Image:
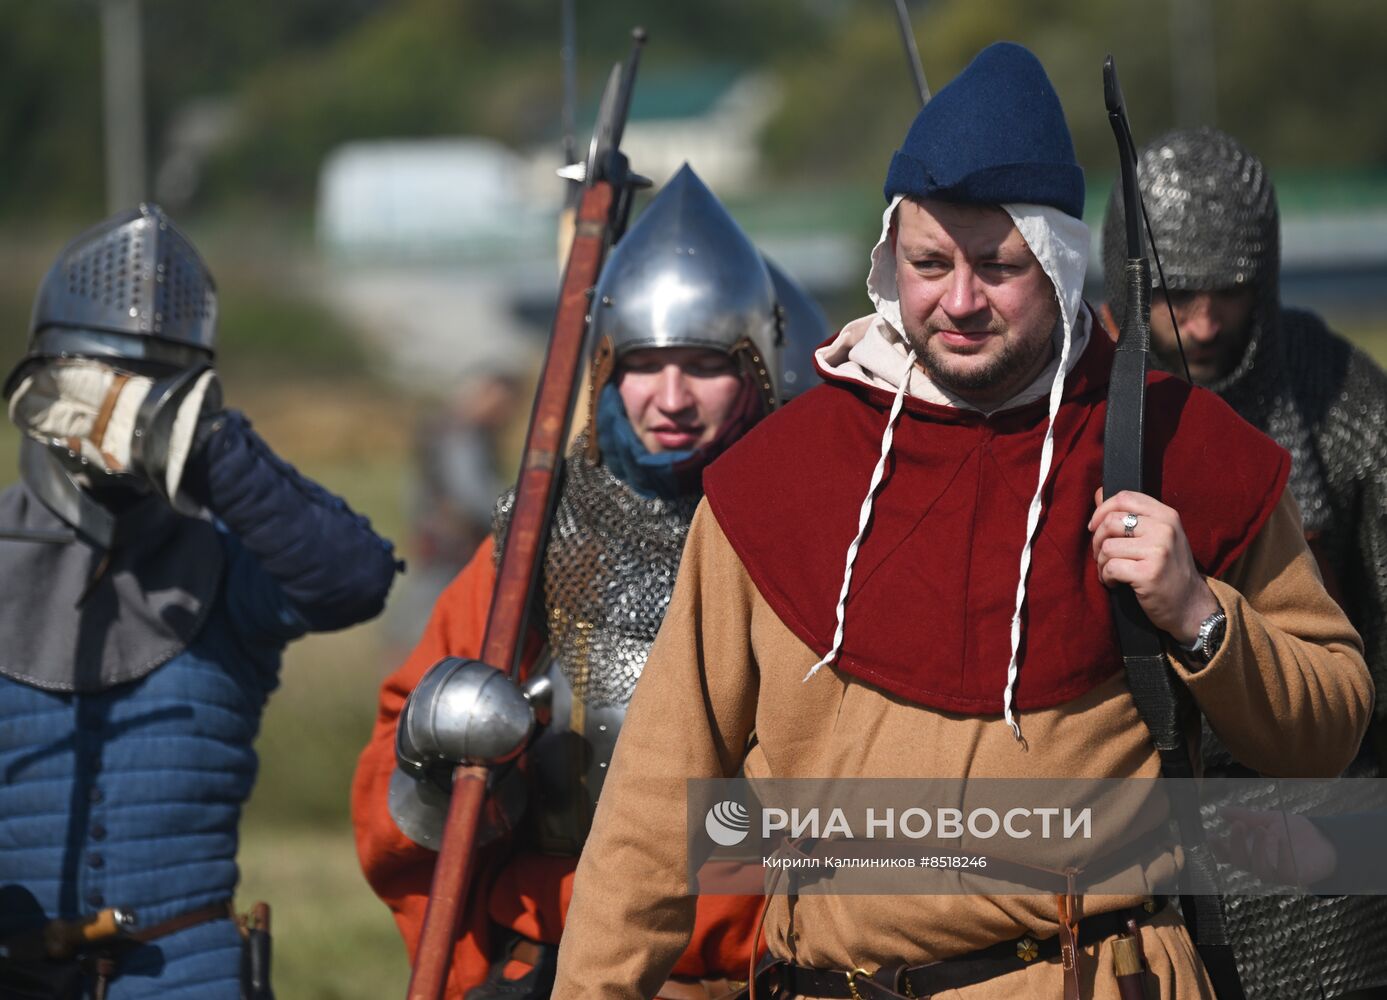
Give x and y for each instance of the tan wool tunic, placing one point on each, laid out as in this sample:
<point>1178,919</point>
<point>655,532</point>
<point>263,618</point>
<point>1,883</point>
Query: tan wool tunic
<point>1288,693</point>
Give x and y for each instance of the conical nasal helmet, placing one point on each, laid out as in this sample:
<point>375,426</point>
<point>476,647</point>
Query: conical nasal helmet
<point>685,275</point>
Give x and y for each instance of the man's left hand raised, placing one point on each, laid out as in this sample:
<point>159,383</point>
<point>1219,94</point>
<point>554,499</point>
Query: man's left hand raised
<point>1153,556</point>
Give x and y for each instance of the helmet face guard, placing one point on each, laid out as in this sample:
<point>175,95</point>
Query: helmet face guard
<point>132,293</point>
<point>685,275</point>
<point>145,355</point>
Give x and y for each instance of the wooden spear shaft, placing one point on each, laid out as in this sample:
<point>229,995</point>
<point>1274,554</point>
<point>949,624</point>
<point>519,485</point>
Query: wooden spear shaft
<point>520,561</point>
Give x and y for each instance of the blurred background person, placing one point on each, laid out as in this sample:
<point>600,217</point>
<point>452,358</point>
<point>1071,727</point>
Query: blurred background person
<point>464,448</point>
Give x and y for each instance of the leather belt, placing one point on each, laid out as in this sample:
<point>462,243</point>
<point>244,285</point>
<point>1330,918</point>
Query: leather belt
<point>64,939</point>
<point>785,979</point>
<point>95,943</point>
<point>203,914</point>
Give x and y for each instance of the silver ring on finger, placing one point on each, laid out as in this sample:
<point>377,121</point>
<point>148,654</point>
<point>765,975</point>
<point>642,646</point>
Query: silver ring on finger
<point>1129,525</point>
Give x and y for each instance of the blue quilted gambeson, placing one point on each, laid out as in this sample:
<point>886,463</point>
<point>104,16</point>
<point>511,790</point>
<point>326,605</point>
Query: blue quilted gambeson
<point>131,796</point>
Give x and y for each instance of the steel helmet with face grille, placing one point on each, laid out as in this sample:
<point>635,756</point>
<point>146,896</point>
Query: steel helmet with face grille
<point>132,287</point>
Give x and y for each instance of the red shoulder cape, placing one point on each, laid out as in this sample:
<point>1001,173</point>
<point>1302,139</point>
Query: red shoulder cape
<point>934,586</point>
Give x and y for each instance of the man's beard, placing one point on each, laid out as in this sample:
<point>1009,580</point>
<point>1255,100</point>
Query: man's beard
<point>1213,368</point>
<point>1017,358</point>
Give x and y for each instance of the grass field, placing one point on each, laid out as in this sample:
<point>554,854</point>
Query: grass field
<point>333,939</point>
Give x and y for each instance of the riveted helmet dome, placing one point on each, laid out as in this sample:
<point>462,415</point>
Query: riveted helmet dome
<point>685,275</point>
<point>131,287</point>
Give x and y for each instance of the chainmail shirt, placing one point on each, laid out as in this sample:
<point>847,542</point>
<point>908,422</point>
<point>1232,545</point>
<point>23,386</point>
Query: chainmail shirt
<point>609,571</point>
<point>1325,402</point>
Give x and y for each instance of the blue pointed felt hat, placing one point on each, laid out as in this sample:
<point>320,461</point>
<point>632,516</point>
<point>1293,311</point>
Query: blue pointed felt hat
<point>995,134</point>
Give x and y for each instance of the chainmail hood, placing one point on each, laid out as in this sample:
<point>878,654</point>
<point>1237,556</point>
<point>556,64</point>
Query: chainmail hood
<point>1216,224</point>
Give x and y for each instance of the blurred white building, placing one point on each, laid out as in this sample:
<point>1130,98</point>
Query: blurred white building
<point>444,249</point>
<point>430,199</point>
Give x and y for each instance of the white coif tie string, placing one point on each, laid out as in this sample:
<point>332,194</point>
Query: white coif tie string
<point>865,514</point>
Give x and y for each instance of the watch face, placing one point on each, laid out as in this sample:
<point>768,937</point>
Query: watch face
<point>1212,636</point>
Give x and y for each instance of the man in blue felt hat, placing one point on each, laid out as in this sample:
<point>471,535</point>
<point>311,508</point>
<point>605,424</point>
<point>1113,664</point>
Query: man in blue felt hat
<point>927,525</point>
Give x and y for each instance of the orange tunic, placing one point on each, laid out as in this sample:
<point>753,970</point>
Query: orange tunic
<point>526,892</point>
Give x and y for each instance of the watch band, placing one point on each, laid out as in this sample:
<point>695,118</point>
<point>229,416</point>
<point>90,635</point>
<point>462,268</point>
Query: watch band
<point>1210,637</point>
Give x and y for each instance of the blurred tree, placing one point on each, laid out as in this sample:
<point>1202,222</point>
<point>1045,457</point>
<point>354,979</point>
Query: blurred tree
<point>1302,83</point>
<point>485,67</point>
<point>50,82</point>
<point>857,83</point>
<point>50,108</point>
<point>305,76</point>
<point>1297,82</point>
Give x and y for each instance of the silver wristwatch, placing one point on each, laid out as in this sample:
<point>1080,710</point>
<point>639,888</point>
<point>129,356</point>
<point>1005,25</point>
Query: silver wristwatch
<point>1210,637</point>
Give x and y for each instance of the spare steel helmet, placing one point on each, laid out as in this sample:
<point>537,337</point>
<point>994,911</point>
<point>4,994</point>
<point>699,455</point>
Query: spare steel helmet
<point>805,327</point>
